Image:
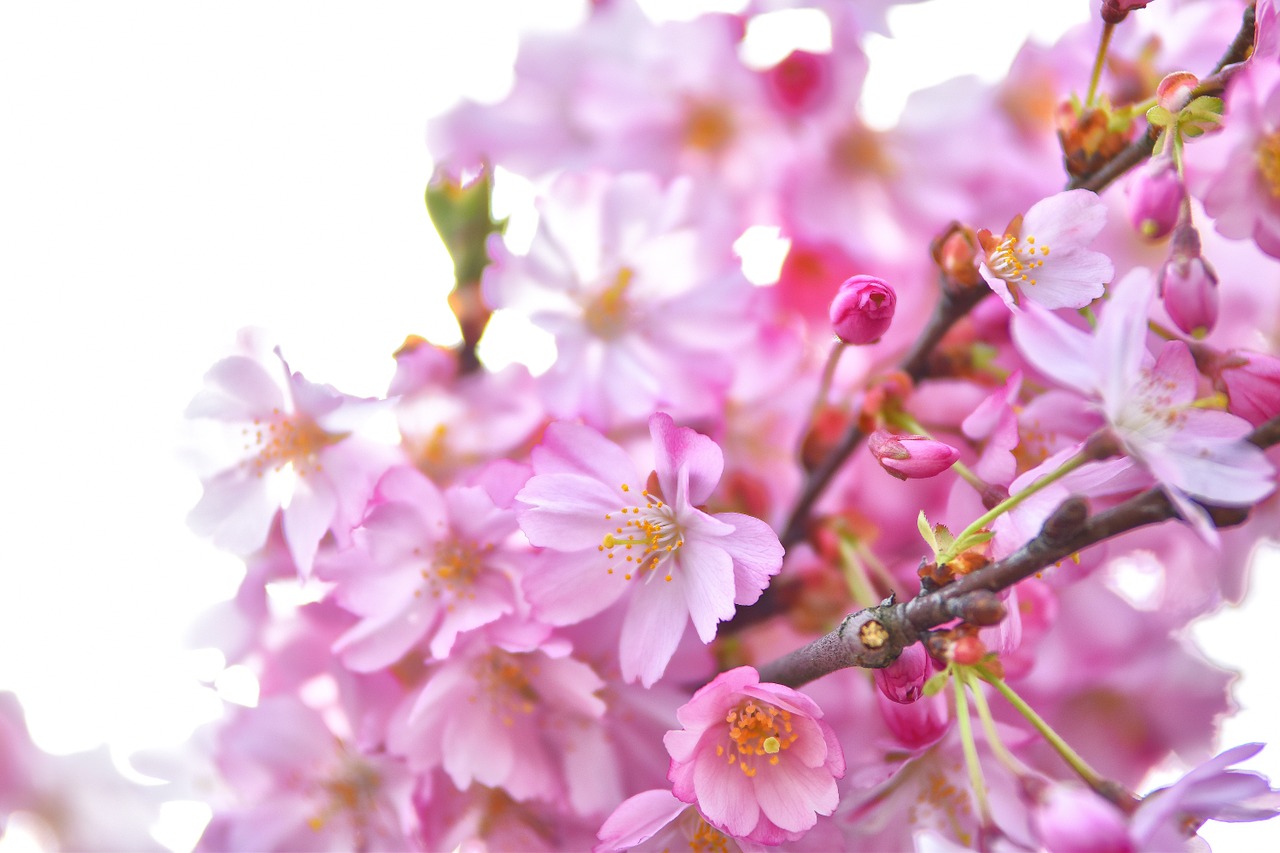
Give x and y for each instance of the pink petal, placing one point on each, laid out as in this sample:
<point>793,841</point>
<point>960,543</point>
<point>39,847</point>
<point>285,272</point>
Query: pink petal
<point>756,552</point>
<point>792,795</point>
<point>639,819</point>
<point>237,389</point>
<point>307,518</point>
<point>725,795</point>
<point>236,509</point>
<point>569,448</point>
<point>680,447</point>
<point>652,629</point>
<point>565,588</point>
<point>707,571</point>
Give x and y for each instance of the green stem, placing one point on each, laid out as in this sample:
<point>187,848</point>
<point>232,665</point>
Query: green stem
<point>1096,76</point>
<point>998,748</point>
<point>1091,777</point>
<point>970,751</point>
<point>828,375</point>
<point>854,574</point>
<point>1014,500</point>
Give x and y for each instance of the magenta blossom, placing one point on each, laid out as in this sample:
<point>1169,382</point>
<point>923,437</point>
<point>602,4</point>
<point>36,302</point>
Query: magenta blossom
<point>862,309</point>
<point>605,533</point>
<point>1042,256</point>
<point>755,757</point>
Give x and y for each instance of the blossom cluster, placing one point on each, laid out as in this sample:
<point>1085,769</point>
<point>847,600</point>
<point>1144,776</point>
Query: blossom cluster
<point>544,616</point>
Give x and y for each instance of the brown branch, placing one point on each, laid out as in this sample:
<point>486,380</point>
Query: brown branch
<point>1068,530</point>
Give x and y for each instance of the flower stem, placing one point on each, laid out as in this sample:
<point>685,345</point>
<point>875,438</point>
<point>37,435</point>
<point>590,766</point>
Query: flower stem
<point>998,748</point>
<point>1096,76</point>
<point>1014,500</point>
<point>855,574</point>
<point>828,375</point>
<point>1091,777</point>
<point>970,751</point>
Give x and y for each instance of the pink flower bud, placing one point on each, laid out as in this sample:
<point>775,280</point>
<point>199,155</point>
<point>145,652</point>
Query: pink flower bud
<point>1189,285</point>
<point>1155,194</point>
<point>918,724</point>
<point>911,456</point>
<point>1114,11</point>
<point>903,680</point>
<point>1252,383</point>
<point>1079,821</point>
<point>800,83</point>
<point>1176,90</point>
<point>862,309</point>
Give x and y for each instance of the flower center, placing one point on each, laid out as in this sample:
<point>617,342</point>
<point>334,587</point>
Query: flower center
<point>859,151</point>
<point>351,792</point>
<point>501,679</point>
<point>454,569</point>
<point>1014,259</point>
<point>756,729</point>
<point>1268,154</point>
<point>702,836</point>
<point>607,313</point>
<point>707,127</point>
<point>644,536</point>
<point>287,440</point>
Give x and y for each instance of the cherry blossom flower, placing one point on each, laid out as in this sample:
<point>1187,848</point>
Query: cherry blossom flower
<point>1237,171</point>
<point>509,707</point>
<point>604,533</point>
<point>755,757</point>
<point>425,566</point>
<point>288,430</point>
<point>1149,403</point>
<point>1042,255</point>
<point>644,309</point>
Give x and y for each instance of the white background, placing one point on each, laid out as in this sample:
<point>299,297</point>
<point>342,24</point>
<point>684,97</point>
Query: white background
<point>171,172</point>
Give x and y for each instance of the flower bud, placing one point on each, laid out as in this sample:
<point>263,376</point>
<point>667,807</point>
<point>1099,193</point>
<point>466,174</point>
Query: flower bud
<point>1252,383</point>
<point>1114,11</point>
<point>1155,194</point>
<point>956,251</point>
<point>1176,90</point>
<point>862,309</point>
<point>1070,818</point>
<point>903,680</point>
<point>916,725</point>
<point>911,456</point>
<point>1189,285</point>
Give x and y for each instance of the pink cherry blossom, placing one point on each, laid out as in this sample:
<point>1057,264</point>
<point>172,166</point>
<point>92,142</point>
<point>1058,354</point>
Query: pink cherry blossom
<point>605,533</point>
<point>1042,256</point>
<point>655,820</point>
<point>645,309</point>
<point>286,428</point>
<point>1148,402</point>
<point>425,567</point>
<point>1237,171</point>
<point>756,758</point>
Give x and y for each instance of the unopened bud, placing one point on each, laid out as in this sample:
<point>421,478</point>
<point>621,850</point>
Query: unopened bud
<point>1176,90</point>
<point>918,724</point>
<point>956,252</point>
<point>863,309</point>
<point>903,680</point>
<point>800,83</point>
<point>1252,383</point>
<point>1114,11</point>
<point>1189,285</point>
<point>911,456</point>
<point>968,651</point>
<point>1155,194</point>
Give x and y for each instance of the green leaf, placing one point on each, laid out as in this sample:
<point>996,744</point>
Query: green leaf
<point>926,532</point>
<point>1159,116</point>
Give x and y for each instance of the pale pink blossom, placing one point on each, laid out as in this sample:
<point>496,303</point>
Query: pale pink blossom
<point>1042,256</point>
<point>1148,402</point>
<point>1236,171</point>
<point>756,758</point>
<point>645,310</point>
<point>425,566</point>
<point>286,431</point>
<point>510,708</point>
<point>605,533</point>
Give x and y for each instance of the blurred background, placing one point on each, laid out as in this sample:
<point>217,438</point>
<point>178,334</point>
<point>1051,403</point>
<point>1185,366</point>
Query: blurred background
<point>170,173</point>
